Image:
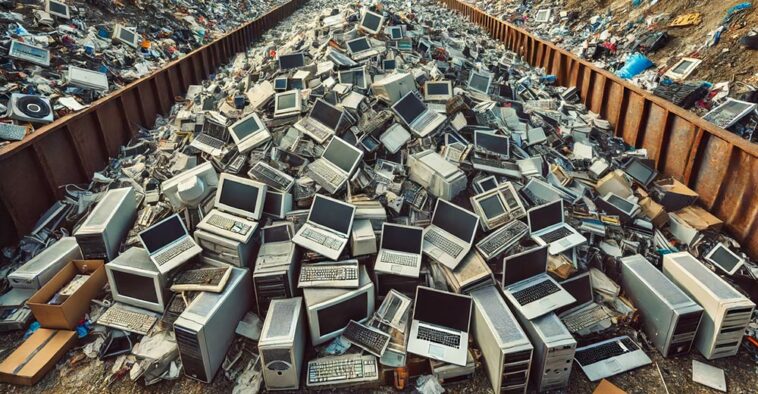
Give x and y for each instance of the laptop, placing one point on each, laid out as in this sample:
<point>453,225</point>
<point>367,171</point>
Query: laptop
<point>585,312</point>
<point>449,237</point>
<point>214,136</point>
<point>528,287</point>
<point>287,103</point>
<point>327,229</point>
<point>249,132</point>
<point>169,244</point>
<point>400,250</point>
<point>438,90</point>
<point>610,357</point>
<point>547,227</point>
<point>491,151</point>
<point>440,326</point>
<point>332,170</point>
<point>360,49</point>
<point>420,119</point>
<point>277,248</point>
<point>238,205</point>
<point>322,122</point>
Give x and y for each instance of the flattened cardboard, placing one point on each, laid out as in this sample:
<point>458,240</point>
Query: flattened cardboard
<point>36,356</point>
<point>699,218</point>
<point>606,387</point>
<point>675,195</point>
<point>67,315</point>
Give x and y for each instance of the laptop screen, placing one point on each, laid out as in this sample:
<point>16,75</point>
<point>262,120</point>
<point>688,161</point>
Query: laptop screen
<point>388,65</point>
<point>639,172</point>
<point>580,288</point>
<point>238,195</point>
<point>724,259</point>
<point>525,265</point>
<point>409,108</point>
<point>286,101</point>
<point>246,127</point>
<point>273,203</point>
<point>359,45</point>
<point>396,32</point>
<point>58,8</point>
<point>620,203</point>
<point>331,214</point>
<point>276,234</point>
<point>479,82</point>
<point>437,88</point>
<point>290,61</point>
<point>493,143</point>
<point>454,220</point>
<point>162,234</point>
<point>326,114</point>
<point>341,154</point>
<point>371,21</point>
<point>492,206</point>
<point>126,35</point>
<point>442,309</point>
<point>402,239</point>
<point>545,216</point>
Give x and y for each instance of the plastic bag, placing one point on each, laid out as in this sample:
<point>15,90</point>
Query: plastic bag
<point>636,64</point>
<point>428,384</point>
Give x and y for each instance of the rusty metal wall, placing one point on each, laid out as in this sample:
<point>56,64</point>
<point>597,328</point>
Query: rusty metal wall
<point>72,148</point>
<point>720,166</point>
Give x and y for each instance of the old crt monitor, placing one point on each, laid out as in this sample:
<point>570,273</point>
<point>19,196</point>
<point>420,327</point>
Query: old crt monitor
<point>329,310</point>
<point>372,22</point>
<point>291,60</point>
<point>134,280</point>
<point>240,196</point>
<point>190,187</point>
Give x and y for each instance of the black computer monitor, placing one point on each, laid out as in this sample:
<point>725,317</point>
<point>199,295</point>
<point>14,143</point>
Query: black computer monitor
<point>291,61</point>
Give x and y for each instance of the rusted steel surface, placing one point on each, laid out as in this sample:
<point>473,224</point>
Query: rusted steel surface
<point>720,166</point>
<point>72,148</point>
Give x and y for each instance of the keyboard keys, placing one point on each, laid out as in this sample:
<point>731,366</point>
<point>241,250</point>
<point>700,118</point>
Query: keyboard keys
<point>322,239</point>
<point>605,351</point>
<point>536,292</point>
<point>347,369</point>
<point>502,238</point>
<point>341,274</point>
<point>228,224</point>
<point>443,243</point>
<point>440,337</point>
<point>399,259</point>
<point>127,320</point>
<point>175,250</point>
<point>559,233</point>
<point>368,339</point>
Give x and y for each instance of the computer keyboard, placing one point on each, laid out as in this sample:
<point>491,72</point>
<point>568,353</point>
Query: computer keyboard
<point>270,176</point>
<point>399,259</point>
<point>443,243</point>
<point>426,118</point>
<point>440,337</point>
<point>213,142</point>
<point>322,239</point>
<point>319,169</point>
<point>342,274</point>
<point>203,279</point>
<point>605,351</point>
<point>228,224</point>
<point>488,162</point>
<point>176,250</point>
<point>315,128</point>
<point>587,318</point>
<point>127,320</point>
<point>559,233</point>
<point>368,339</point>
<point>536,292</point>
<point>347,369</point>
<point>503,238</point>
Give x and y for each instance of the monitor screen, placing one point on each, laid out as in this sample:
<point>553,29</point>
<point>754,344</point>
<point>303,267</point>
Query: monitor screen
<point>127,35</point>
<point>134,286</point>
<point>724,259</point>
<point>545,216</point>
<point>620,203</point>
<point>359,45</point>
<point>163,233</point>
<point>238,195</point>
<point>355,77</point>
<point>493,143</point>
<point>326,114</point>
<point>682,67</point>
<point>454,220</point>
<point>492,207</point>
<point>331,214</point>
<point>58,8</point>
<point>246,127</point>
<point>341,154</point>
<point>442,309</point>
<point>297,84</point>
<point>336,317</point>
<point>488,184</point>
<point>371,21</point>
<point>409,107</point>
<point>276,234</point>
<point>389,65</point>
<point>437,88</point>
<point>524,266</point>
<point>640,172</point>
<point>402,239</point>
<point>580,288</point>
<point>479,82</point>
<point>273,204</point>
<point>280,83</point>
<point>286,101</point>
<point>290,61</point>
<point>396,32</point>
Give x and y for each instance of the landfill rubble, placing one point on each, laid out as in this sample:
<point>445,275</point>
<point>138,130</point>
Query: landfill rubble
<point>378,197</point>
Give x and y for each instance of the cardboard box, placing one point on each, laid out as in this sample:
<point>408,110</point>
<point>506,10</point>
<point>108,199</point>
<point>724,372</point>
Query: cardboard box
<point>68,314</point>
<point>674,195</point>
<point>699,218</point>
<point>36,356</point>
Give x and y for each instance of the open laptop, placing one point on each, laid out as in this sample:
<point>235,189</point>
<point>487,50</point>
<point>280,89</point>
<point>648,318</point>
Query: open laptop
<point>360,49</point>
<point>332,170</point>
<point>450,236</point>
<point>440,326</point>
<point>547,227</point>
<point>400,250</point>
<point>277,248</point>
<point>169,244</point>
<point>214,136</point>
<point>322,122</point>
<point>610,357</point>
<point>585,312</point>
<point>238,205</point>
<point>528,287</point>
<point>327,229</point>
<point>249,132</point>
<point>438,90</point>
<point>420,119</point>
<point>490,152</point>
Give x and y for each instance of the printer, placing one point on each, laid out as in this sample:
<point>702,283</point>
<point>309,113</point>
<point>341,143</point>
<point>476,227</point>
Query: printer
<point>440,177</point>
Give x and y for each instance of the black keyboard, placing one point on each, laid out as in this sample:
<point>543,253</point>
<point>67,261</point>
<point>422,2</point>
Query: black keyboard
<point>561,232</point>
<point>605,351</point>
<point>371,340</point>
<point>443,338</point>
<point>534,293</point>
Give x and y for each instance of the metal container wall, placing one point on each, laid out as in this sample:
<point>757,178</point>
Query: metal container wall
<point>72,148</point>
<point>719,165</point>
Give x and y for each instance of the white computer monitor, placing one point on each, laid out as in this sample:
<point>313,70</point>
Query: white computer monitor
<point>135,281</point>
<point>287,103</point>
<point>683,68</point>
<point>280,84</point>
<point>57,8</point>
<point>249,132</point>
<point>291,61</point>
<point>240,196</point>
<point>372,22</point>
<point>389,64</point>
<point>725,259</point>
<point>277,204</point>
<point>438,90</point>
<point>357,77</point>
<point>543,15</point>
<point>190,187</point>
<point>126,36</point>
<point>396,32</point>
<point>480,82</point>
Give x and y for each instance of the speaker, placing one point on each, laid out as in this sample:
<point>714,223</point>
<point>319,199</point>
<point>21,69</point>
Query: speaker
<point>30,108</point>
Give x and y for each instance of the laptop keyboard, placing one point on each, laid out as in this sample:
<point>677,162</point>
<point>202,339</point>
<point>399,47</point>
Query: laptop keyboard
<point>442,338</point>
<point>534,293</point>
<point>587,318</point>
<point>228,224</point>
<point>487,162</point>
<point>175,250</point>
<point>605,351</point>
<point>399,259</point>
<point>443,243</point>
<point>503,238</point>
<point>426,118</point>
<point>270,177</point>
<point>372,340</point>
<point>314,128</point>
<point>210,141</point>
<point>320,170</point>
<point>322,239</point>
<point>559,233</point>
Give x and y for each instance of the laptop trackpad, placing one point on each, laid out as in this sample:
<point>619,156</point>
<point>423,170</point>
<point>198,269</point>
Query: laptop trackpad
<point>436,351</point>
<point>396,268</point>
<point>613,366</point>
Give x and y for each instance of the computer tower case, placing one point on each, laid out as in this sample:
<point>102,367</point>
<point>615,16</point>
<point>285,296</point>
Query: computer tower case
<point>554,349</point>
<point>205,329</point>
<point>230,251</point>
<point>670,317</point>
<point>505,347</point>
<point>100,236</point>
<point>282,344</point>
<point>726,311</point>
<point>41,268</point>
<point>273,284</point>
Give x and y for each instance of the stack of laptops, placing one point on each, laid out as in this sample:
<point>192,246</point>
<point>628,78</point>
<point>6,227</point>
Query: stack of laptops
<point>328,227</point>
<point>400,250</point>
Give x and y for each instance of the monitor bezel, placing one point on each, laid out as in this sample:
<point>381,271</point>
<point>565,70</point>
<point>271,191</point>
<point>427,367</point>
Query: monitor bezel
<point>378,28</point>
<point>608,196</point>
<point>686,73</point>
<point>536,249</point>
<point>300,54</point>
<point>184,226</point>
<point>366,76</point>
<point>476,225</point>
<point>67,15</point>
<point>504,137</point>
<point>290,231</point>
<point>543,15</point>
<point>395,28</point>
<point>241,143</point>
<point>489,82</point>
<point>298,103</point>
<point>160,306</point>
<point>117,36</point>
<point>313,310</point>
<point>421,242</point>
<point>721,246</point>
<point>477,202</point>
<point>350,49</point>
<point>313,203</point>
<point>533,209</point>
<point>432,97</point>
<point>357,161</point>
<point>282,206</point>
<point>260,198</point>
